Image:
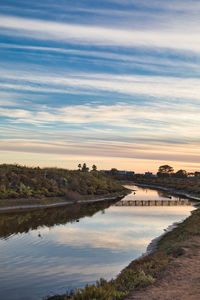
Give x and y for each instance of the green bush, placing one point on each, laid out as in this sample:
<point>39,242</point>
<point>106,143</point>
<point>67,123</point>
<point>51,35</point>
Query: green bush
<point>100,291</point>
<point>23,182</point>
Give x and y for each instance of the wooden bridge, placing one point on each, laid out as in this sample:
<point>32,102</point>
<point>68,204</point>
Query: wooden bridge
<point>166,202</point>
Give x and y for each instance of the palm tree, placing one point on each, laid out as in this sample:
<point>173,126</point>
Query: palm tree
<point>85,168</point>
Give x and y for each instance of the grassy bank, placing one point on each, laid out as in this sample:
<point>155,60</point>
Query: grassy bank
<point>45,201</point>
<point>184,185</point>
<point>146,270</point>
<point>20,185</point>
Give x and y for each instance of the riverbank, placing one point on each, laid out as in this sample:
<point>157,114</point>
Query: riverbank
<point>168,190</point>
<point>33,185</point>
<point>180,279</point>
<point>185,186</point>
<point>150,269</point>
<point>21,204</point>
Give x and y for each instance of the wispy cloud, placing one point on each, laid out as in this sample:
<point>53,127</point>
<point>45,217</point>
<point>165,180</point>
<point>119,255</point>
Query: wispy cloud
<point>174,5</point>
<point>149,61</point>
<point>172,38</point>
<point>161,119</point>
<point>99,150</point>
<point>155,86</point>
<point>116,79</point>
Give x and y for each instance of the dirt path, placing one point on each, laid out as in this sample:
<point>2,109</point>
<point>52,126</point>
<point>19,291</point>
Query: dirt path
<point>180,281</point>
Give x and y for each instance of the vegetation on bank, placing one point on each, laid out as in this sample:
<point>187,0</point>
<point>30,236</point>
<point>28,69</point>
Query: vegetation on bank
<point>181,180</point>
<point>29,183</point>
<point>146,270</point>
<point>190,185</point>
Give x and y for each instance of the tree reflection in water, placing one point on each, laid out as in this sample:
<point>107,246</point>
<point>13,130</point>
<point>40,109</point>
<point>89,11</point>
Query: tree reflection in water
<point>24,221</point>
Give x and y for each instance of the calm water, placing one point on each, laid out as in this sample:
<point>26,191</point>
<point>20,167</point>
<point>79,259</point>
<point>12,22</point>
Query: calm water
<point>44,252</point>
<point>142,193</point>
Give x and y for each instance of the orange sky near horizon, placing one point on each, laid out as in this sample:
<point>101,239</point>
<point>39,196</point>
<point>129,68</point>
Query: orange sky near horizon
<point>71,162</point>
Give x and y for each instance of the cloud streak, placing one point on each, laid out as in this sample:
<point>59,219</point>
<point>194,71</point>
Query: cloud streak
<point>173,122</point>
<point>155,86</point>
<point>117,81</point>
<point>105,150</point>
<point>171,38</point>
<point>148,61</point>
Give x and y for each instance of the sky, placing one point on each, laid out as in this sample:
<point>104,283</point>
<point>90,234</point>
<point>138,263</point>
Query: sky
<point>112,83</point>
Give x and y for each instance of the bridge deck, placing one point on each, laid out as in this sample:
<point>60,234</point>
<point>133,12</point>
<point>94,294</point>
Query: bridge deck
<point>153,202</point>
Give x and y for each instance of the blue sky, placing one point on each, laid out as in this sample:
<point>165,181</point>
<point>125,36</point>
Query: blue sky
<point>116,83</point>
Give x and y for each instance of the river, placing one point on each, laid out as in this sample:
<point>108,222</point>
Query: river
<point>47,251</point>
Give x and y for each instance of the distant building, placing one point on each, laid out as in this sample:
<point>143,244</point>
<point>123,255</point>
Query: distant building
<point>149,174</point>
<point>120,172</point>
<point>130,173</point>
<point>105,171</point>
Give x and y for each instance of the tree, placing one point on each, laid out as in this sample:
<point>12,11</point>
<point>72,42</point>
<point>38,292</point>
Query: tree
<point>181,174</point>
<point>85,168</point>
<point>190,174</point>
<point>114,171</point>
<point>197,174</point>
<point>165,170</point>
<point>94,168</point>
<point>79,167</point>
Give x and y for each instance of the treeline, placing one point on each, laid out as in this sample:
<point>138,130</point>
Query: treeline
<point>166,177</point>
<point>23,182</point>
<point>168,171</point>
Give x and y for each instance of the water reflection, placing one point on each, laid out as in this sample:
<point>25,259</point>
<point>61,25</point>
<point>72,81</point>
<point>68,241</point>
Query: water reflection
<point>143,193</point>
<point>122,228</point>
<point>19,222</point>
<point>47,251</point>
